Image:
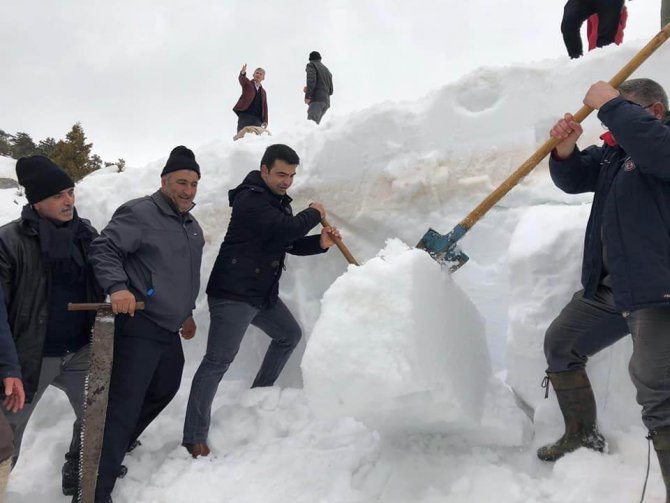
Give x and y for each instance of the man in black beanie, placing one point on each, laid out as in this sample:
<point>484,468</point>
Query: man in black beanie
<point>318,89</point>
<point>43,266</point>
<point>150,251</point>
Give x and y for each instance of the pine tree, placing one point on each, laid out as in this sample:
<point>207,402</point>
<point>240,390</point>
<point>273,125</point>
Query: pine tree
<point>73,153</point>
<point>23,145</point>
<point>5,143</point>
<point>47,146</point>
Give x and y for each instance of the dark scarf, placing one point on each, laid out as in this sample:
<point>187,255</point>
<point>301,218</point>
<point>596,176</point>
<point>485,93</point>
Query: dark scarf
<point>60,243</point>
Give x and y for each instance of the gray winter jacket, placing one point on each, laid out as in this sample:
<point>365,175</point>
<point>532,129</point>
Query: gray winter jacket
<point>319,82</point>
<point>152,250</point>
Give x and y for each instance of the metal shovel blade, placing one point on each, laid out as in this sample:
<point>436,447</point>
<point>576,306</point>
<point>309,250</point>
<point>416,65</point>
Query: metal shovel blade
<point>444,248</point>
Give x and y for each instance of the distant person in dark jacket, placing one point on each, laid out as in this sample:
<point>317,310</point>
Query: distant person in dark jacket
<point>576,12</point>
<point>318,89</point>
<point>626,264</point>
<point>14,395</point>
<point>44,265</point>
<point>150,251</point>
<point>665,12</point>
<point>252,107</point>
<point>243,288</point>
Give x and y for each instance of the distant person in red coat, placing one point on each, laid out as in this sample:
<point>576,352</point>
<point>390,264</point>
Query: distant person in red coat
<point>252,107</point>
<point>576,12</point>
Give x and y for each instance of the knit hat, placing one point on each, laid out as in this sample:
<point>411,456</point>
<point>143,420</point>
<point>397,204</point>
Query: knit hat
<point>41,177</point>
<point>314,55</point>
<point>181,158</point>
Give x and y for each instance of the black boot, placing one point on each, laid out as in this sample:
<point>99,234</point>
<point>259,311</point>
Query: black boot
<point>70,477</point>
<point>661,439</point>
<point>578,405</point>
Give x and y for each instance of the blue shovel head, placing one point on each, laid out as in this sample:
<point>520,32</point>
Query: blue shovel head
<point>444,248</point>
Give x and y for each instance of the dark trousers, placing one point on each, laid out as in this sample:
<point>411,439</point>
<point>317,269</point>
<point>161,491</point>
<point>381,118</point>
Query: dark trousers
<point>147,369</point>
<point>316,111</point>
<point>67,373</point>
<point>6,439</point>
<point>229,322</point>
<point>576,12</point>
<point>244,120</point>
<point>586,326</point>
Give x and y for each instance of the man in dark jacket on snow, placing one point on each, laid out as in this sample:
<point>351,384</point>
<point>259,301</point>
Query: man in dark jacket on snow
<point>252,107</point>
<point>576,12</point>
<point>626,267</point>
<point>43,267</point>
<point>243,288</point>
<point>318,89</point>
<point>150,251</point>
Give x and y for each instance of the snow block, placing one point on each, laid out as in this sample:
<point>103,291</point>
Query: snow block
<point>399,346</point>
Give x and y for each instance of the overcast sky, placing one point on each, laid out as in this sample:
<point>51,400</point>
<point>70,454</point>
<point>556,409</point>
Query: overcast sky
<point>144,76</point>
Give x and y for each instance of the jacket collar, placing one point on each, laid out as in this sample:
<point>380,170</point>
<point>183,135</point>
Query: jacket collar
<point>254,181</point>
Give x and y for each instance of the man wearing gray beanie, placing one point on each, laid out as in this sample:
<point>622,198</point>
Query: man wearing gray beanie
<point>43,267</point>
<point>318,89</point>
<point>150,251</point>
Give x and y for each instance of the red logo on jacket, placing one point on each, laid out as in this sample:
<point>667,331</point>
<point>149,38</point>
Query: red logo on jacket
<point>628,165</point>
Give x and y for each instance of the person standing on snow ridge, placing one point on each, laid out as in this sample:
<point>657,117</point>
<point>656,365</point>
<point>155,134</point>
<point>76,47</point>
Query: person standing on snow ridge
<point>576,12</point>
<point>44,265</point>
<point>151,250</point>
<point>10,373</point>
<point>318,89</point>
<point>243,288</point>
<point>626,265</point>
<point>252,107</point>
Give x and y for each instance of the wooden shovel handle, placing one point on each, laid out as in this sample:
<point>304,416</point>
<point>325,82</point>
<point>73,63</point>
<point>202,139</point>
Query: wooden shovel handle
<point>94,306</point>
<point>343,248</point>
<point>551,143</point>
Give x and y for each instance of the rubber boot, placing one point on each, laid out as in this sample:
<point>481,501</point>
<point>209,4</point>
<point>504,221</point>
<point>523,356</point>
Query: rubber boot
<point>661,439</point>
<point>578,405</point>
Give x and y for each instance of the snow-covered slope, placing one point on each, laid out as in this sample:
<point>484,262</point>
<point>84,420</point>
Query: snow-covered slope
<point>391,171</point>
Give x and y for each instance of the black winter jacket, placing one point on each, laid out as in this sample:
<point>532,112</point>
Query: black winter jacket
<point>25,281</point>
<point>262,229</point>
<point>631,206</point>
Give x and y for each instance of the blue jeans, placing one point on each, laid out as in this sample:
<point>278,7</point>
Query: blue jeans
<point>229,320</point>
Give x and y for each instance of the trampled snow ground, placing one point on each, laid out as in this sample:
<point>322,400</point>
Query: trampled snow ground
<point>391,172</point>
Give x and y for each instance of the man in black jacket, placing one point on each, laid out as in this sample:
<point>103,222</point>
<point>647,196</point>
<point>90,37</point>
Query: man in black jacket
<point>626,267</point>
<point>243,288</point>
<point>43,266</point>
<point>318,89</point>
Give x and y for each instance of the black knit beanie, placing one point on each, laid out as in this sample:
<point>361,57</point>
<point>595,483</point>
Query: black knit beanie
<point>314,56</point>
<point>181,158</point>
<point>41,177</point>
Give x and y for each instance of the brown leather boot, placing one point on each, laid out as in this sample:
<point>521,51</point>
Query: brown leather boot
<point>578,405</point>
<point>661,439</point>
<point>196,450</point>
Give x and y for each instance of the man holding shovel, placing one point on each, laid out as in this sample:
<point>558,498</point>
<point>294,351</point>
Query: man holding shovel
<point>243,288</point>
<point>626,266</point>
